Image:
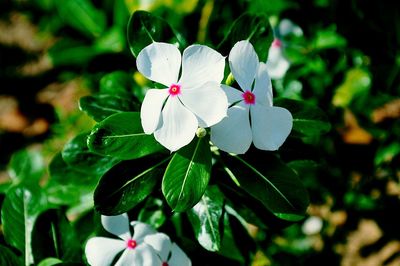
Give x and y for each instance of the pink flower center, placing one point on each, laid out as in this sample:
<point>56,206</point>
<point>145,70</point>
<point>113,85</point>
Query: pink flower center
<point>277,43</point>
<point>174,89</point>
<point>131,244</point>
<point>164,264</point>
<point>249,97</point>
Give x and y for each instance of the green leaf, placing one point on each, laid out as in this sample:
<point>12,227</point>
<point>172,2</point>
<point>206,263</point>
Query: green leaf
<point>255,28</point>
<point>386,153</point>
<point>111,41</point>
<point>21,207</point>
<point>67,52</point>
<point>101,106</point>
<point>26,165</point>
<point>8,258</point>
<point>272,183</point>
<point>229,246</point>
<point>49,262</point>
<point>205,218</point>
<point>145,28</point>
<point>308,120</point>
<point>127,184</point>
<point>53,231</point>
<point>77,155</point>
<point>121,136</point>
<point>186,177</point>
<point>116,83</point>
<point>152,213</point>
<point>83,16</point>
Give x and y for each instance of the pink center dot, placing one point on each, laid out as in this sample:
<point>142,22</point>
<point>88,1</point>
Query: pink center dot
<point>249,97</point>
<point>164,264</point>
<point>276,43</point>
<point>174,89</point>
<point>131,244</point>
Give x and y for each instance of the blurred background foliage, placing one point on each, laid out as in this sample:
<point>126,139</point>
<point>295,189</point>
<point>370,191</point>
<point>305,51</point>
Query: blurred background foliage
<point>346,61</point>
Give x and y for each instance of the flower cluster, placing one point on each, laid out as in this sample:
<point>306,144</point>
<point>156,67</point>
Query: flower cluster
<point>144,247</point>
<point>198,99</point>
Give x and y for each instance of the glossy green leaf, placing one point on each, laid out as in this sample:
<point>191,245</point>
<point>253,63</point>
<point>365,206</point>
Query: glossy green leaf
<point>49,262</point>
<point>8,258</point>
<point>83,16</point>
<point>308,120</point>
<point>255,28</point>
<point>273,184</point>
<point>152,213</point>
<point>116,83</point>
<point>229,247</point>
<point>187,175</point>
<point>20,209</point>
<point>27,165</point>
<point>205,218</point>
<point>145,28</point>
<point>127,184</point>
<point>53,231</point>
<point>121,136</point>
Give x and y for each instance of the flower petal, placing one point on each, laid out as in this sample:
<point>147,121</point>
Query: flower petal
<point>117,225</point>
<point>178,127</point>
<point>277,64</point>
<point>263,87</point>
<point>271,126</point>
<point>208,102</point>
<point>140,230</point>
<point>161,244</point>
<point>160,62</point>
<point>150,111</point>
<point>101,251</point>
<point>233,133</point>
<point>142,255</point>
<point>178,258</point>
<point>232,94</point>
<point>243,61</point>
<point>201,64</point>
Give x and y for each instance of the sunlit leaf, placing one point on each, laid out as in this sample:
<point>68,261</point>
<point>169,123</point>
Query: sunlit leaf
<point>27,165</point>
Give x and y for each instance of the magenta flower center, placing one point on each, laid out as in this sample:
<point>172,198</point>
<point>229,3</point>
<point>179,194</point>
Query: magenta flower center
<point>174,89</point>
<point>277,43</point>
<point>131,244</point>
<point>164,264</point>
<point>249,97</point>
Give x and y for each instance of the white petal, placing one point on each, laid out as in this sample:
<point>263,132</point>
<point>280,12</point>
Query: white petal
<point>208,102</point>
<point>201,64</point>
<point>178,258</point>
<point>277,64</point>
<point>117,225</point>
<point>286,27</point>
<point>233,133</point>
<point>140,230</point>
<point>161,244</point>
<point>142,255</point>
<point>178,127</point>
<point>150,111</point>
<point>160,62</point>
<point>271,126</point>
<point>243,61</point>
<point>101,251</point>
<point>232,94</point>
<point>263,87</point>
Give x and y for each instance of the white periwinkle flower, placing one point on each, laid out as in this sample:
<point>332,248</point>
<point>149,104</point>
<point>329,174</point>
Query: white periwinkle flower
<point>195,99</point>
<point>101,251</point>
<point>277,64</point>
<point>168,253</point>
<point>269,126</point>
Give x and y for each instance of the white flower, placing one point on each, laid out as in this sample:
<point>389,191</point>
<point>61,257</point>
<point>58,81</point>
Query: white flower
<point>269,126</point>
<point>173,114</point>
<point>101,251</point>
<point>169,254</point>
<point>277,64</point>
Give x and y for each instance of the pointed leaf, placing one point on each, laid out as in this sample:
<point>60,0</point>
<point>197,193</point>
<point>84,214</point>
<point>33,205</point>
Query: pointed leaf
<point>187,175</point>
<point>7,257</point>
<point>121,136</point>
<point>205,218</point>
<point>127,184</point>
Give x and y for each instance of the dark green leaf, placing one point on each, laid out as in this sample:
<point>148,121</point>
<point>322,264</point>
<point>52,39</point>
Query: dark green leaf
<point>145,28</point>
<point>116,83</point>
<point>121,136</point>
<point>127,184</point>
<point>21,207</point>
<point>255,28</point>
<point>68,52</point>
<point>152,213</point>
<point>8,258</point>
<point>101,106</point>
<point>229,247</point>
<point>308,120</point>
<point>187,175</point>
<point>121,13</point>
<point>26,165</point>
<point>205,218</point>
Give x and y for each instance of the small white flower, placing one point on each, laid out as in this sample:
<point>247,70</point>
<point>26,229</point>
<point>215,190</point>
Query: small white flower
<point>101,251</point>
<point>270,125</point>
<point>277,64</point>
<point>169,254</point>
<point>196,99</point>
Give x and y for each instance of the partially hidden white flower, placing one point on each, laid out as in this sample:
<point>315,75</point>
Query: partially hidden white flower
<point>270,125</point>
<point>277,63</point>
<point>101,251</point>
<point>168,253</point>
<point>195,99</point>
